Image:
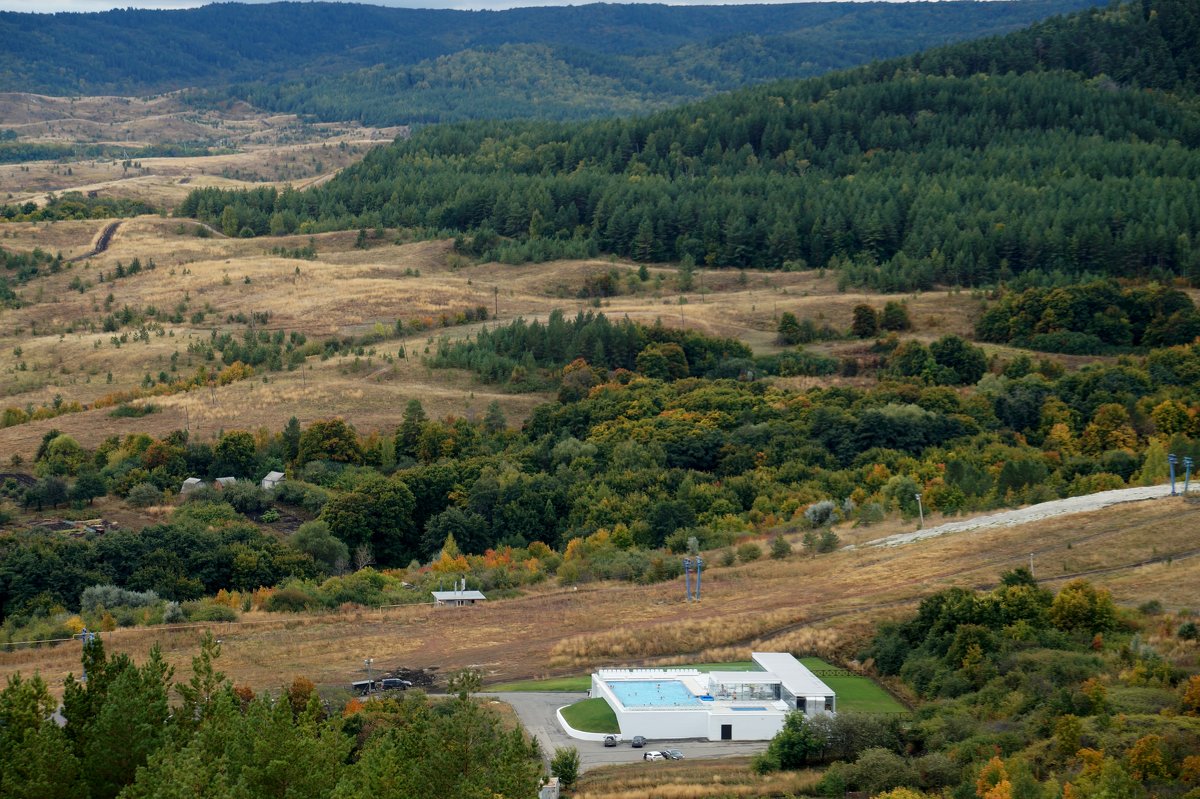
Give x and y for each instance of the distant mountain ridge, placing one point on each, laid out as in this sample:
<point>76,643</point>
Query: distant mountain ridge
<point>338,61</point>
<point>1070,150</point>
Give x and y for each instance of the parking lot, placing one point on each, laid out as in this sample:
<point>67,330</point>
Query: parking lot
<point>537,711</point>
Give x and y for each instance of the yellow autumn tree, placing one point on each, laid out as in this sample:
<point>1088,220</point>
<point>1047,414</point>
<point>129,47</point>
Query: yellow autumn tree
<point>1109,429</point>
<point>900,793</point>
<point>993,782</point>
<point>1146,759</point>
<point>1191,696</point>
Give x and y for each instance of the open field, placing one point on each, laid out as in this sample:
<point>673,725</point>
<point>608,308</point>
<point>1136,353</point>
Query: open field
<point>823,606</point>
<point>690,779</point>
<point>345,290</point>
<point>249,147</point>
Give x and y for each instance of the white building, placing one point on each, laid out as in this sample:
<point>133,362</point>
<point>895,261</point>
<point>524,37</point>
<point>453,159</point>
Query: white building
<point>670,704</point>
<point>457,598</point>
<point>225,482</point>
<point>191,484</point>
<point>271,480</point>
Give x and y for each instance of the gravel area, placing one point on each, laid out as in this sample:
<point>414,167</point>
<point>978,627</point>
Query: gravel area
<point>1033,513</point>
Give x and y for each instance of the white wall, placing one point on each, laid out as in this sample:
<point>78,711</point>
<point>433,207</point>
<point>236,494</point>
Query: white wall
<point>665,724</point>
<point>746,726</point>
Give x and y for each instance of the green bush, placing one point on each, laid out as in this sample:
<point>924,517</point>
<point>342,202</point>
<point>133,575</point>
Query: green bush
<point>878,770</point>
<point>245,497</point>
<point>209,611</point>
<point>749,552</point>
<point>290,600</point>
<point>143,495</point>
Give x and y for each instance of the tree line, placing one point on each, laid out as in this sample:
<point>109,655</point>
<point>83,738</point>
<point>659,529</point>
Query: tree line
<point>968,166</point>
<point>135,731</point>
<point>1090,708</point>
<point>623,465</point>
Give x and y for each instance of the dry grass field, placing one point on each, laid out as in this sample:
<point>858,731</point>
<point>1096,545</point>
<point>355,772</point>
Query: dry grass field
<point>823,606</point>
<point>54,346</point>
<point>344,291</point>
<point>725,778</point>
<point>258,147</point>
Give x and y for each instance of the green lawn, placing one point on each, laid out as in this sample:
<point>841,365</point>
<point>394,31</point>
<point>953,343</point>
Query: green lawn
<point>856,694</point>
<point>584,682</point>
<point>552,684</point>
<point>591,715</point>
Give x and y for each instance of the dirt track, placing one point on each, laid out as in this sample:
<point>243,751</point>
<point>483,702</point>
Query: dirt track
<point>102,243</point>
<point>1033,513</point>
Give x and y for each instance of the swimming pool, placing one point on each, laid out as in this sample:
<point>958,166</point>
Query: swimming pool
<point>653,693</point>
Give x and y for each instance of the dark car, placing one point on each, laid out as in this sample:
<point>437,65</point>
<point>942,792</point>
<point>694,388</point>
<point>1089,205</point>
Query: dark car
<point>672,754</point>
<point>610,740</point>
<point>394,684</point>
<point>638,742</point>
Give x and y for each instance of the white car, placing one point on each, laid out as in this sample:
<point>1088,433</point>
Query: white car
<point>653,755</point>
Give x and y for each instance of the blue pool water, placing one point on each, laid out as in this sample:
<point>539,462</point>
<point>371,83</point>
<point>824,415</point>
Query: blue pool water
<point>653,693</point>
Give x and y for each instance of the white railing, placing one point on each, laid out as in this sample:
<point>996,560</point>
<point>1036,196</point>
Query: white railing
<point>627,674</point>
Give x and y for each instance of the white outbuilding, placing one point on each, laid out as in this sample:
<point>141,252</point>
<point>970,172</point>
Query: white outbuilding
<point>271,480</point>
<point>191,484</point>
<point>457,598</point>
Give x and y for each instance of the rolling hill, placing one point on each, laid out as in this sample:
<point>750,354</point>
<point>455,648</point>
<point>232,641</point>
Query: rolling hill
<point>389,65</point>
<point>1061,151</point>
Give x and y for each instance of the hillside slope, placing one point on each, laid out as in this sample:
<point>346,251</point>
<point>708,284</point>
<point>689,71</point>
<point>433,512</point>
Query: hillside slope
<point>644,55</point>
<point>1031,153</point>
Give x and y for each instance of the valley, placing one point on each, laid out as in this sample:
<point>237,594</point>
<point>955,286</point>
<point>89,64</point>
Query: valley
<point>340,305</point>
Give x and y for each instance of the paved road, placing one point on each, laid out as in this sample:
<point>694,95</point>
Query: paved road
<point>537,712</point>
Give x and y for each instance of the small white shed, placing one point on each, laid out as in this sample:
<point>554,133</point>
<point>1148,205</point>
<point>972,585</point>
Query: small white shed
<point>225,482</point>
<point>457,598</point>
<point>271,480</point>
<point>191,484</point>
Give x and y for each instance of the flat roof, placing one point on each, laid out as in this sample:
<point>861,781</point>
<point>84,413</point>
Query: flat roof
<point>744,677</point>
<point>442,596</point>
<point>792,674</point>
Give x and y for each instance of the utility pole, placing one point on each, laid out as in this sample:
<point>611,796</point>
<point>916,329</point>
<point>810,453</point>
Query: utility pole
<point>496,298</point>
<point>370,683</point>
<point>921,511</point>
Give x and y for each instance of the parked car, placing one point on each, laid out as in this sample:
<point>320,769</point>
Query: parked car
<point>672,754</point>
<point>638,742</point>
<point>395,684</point>
<point>653,755</point>
<point>610,740</point>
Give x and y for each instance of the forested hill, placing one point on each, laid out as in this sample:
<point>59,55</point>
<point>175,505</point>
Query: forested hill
<point>1053,161</point>
<point>429,65</point>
